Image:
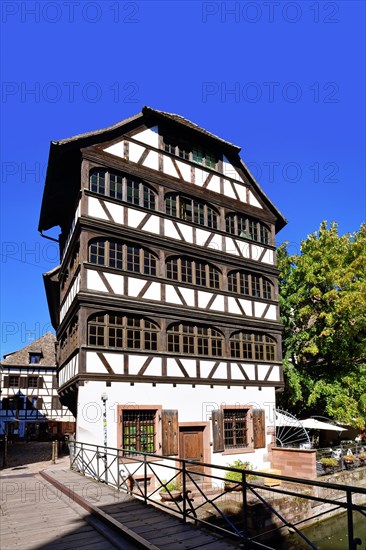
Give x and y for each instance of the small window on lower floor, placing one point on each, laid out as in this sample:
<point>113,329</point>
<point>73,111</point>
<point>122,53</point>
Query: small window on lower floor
<point>138,430</point>
<point>236,428</point>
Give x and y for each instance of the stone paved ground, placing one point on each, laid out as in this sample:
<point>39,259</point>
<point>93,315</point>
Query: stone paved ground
<point>30,457</point>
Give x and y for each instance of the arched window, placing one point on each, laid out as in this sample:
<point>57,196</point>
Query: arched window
<point>122,332</point>
<point>195,340</point>
<point>122,256</point>
<point>191,210</point>
<point>123,188</point>
<point>247,228</point>
<point>187,270</point>
<point>259,347</point>
<point>249,284</point>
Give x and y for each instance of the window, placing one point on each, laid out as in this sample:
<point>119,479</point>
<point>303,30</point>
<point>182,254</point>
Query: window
<point>122,188</point>
<point>138,430</point>
<point>184,150</point>
<point>249,284</point>
<point>122,256</point>
<point>247,228</point>
<point>195,340</point>
<point>259,347</point>
<point>186,270</point>
<point>235,428</point>
<point>122,332</point>
<point>32,381</point>
<point>35,358</point>
<point>191,210</point>
<point>13,381</point>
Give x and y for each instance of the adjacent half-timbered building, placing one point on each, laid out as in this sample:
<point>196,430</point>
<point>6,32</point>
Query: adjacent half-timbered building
<point>166,299</point>
<point>30,406</point>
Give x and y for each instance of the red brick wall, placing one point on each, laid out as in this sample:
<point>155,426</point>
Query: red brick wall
<point>295,462</point>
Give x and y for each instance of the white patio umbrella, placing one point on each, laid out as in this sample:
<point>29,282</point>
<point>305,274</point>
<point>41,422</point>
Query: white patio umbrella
<point>313,424</point>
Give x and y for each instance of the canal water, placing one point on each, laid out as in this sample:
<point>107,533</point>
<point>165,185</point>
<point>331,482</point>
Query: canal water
<point>330,534</point>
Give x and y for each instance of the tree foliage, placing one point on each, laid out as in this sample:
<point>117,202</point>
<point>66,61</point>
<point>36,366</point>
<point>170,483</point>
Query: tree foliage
<point>323,309</point>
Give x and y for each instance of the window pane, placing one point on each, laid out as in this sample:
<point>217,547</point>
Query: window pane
<point>115,186</point>
<point>97,182</point>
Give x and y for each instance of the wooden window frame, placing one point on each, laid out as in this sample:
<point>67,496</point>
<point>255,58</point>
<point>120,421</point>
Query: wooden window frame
<point>211,273</point>
<point>247,227</point>
<point>157,409</point>
<point>123,332</point>
<point>123,256</point>
<point>192,210</point>
<point>35,358</point>
<point>194,153</point>
<point>12,379</point>
<point>32,382</point>
<point>145,197</point>
<point>253,346</point>
<point>188,339</point>
<point>250,284</point>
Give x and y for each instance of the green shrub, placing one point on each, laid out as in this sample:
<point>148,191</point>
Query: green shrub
<point>329,462</point>
<point>237,476</point>
<point>171,486</point>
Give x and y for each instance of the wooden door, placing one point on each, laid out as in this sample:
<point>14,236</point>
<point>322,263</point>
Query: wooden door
<point>191,447</point>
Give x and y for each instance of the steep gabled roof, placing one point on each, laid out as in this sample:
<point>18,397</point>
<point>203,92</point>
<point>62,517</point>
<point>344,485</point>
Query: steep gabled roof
<point>45,345</point>
<point>63,171</point>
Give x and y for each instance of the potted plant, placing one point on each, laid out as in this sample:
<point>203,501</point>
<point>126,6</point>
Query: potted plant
<point>350,461</point>
<point>170,491</point>
<point>362,458</point>
<point>329,464</point>
<point>233,479</point>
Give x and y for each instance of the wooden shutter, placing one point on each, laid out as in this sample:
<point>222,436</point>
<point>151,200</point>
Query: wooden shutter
<point>6,382</point>
<point>56,403</point>
<point>39,403</point>
<point>54,382</point>
<point>170,432</point>
<point>259,425</point>
<point>23,382</point>
<point>218,431</point>
<point>40,382</point>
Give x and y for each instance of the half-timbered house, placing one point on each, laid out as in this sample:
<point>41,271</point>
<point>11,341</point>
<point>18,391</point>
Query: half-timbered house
<point>166,298</point>
<point>30,406</point>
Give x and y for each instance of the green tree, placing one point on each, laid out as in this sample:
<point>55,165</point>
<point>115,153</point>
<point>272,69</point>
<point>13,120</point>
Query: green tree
<point>323,309</point>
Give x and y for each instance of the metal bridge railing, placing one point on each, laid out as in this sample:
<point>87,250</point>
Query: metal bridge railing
<point>131,472</point>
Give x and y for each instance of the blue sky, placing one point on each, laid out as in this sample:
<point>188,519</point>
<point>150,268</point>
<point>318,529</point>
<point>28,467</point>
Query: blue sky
<point>283,80</point>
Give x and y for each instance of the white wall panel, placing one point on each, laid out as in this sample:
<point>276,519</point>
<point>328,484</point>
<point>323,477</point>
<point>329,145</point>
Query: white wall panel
<point>95,209</point>
<point>188,295</point>
<point>135,217</point>
<point>202,236</point>
<point>171,295</point>
<point>219,303</point>
<point>200,176</point>
<point>242,192</point>
<point>228,190</point>
<point>153,292</point>
<point>135,152</point>
<point>152,225</point>
<point>150,136</point>
<point>135,286</point>
<point>271,313</point>
<point>116,149</point>
<point>253,201</point>
<point>233,306</point>
<point>152,160</point>
<point>186,231</point>
<point>116,211</point>
<point>214,184</point>
<point>116,282</point>
<point>229,170</point>
<point>136,362</point>
<point>204,298</point>
<point>185,170</point>
<point>72,292</point>
<point>94,282</point>
<point>170,231</point>
<point>168,167</point>
<point>259,307</point>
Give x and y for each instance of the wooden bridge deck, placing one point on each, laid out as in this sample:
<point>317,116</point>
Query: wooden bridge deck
<point>44,512</point>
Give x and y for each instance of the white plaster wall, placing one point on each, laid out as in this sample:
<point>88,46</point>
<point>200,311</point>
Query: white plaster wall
<point>73,290</point>
<point>150,136</point>
<point>116,149</point>
<point>230,171</point>
<point>193,405</point>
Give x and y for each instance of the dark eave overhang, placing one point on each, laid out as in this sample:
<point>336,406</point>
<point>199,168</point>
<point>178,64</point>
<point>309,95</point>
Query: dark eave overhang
<point>52,287</point>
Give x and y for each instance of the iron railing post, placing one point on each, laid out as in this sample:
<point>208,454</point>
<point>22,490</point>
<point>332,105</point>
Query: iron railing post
<point>350,520</point>
<point>97,457</point>
<point>145,479</point>
<point>82,458</point>
<point>245,505</point>
<point>185,496</point>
